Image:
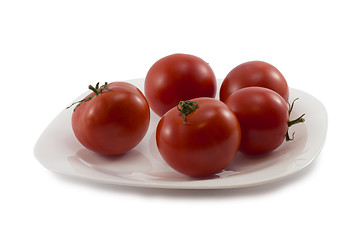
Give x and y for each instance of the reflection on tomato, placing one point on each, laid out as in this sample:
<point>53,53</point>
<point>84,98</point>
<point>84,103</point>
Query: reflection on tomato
<point>254,74</point>
<point>199,137</point>
<point>175,78</point>
<point>113,119</point>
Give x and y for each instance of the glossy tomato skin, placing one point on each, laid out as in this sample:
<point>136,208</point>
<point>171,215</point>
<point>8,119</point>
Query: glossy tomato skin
<point>263,117</point>
<point>113,122</point>
<point>178,77</point>
<point>254,74</point>
<point>204,146</point>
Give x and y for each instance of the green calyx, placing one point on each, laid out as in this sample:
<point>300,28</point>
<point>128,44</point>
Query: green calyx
<point>293,122</point>
<point>187,107</point>
<point>97,90</point>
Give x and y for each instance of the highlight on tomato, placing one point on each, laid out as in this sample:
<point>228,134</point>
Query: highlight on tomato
<point>264,119</point>
<point>198,137</point>
<point>178,77</point>
<point>254,74</point>
<point>112,119</point>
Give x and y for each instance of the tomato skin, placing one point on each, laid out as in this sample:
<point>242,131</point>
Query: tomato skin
<point>178,77</point>
<point>254,74</point>
<point>204,146</point>
<point>263,117</point>
<point>113,122</point>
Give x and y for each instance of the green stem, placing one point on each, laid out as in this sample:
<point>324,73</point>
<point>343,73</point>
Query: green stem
<point>187,107</point>
<point>298,120</point>
<point>97,90</point>
<point>293,122</point>
<point>94,89</point>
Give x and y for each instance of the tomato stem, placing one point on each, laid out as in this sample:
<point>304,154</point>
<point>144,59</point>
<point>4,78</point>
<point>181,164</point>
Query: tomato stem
<point>187,107</point>
<point>293,122</point>
<point>97,90</point>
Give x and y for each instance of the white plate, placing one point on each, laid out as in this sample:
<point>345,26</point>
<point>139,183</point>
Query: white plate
<point>58,150</point>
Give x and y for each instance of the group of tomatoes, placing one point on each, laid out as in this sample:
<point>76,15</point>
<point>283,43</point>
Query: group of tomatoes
<point>197,134</point>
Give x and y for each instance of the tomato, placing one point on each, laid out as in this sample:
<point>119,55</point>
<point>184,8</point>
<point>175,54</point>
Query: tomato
<point>254,74</point>
<point>264,119</point>
<point>178,77</point>
<point>199,137</point>
<point>111,120</point>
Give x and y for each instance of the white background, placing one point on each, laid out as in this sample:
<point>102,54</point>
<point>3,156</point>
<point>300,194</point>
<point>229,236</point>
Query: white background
<point>51,50</point>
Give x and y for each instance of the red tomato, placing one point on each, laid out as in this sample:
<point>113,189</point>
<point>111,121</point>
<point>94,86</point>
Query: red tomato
<point>201,140</point>
<point>178,77</point>
<point>113,121</point>
<point>254,74</point>
<point>263,116</point>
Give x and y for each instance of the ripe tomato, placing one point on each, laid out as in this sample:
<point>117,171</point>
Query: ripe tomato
<point>201,139</point>
<point>178,77</point>
<point>264,118</point>
<point>254,74</point>
<point>111,120</point>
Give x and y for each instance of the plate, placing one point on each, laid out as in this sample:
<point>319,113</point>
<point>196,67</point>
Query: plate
<point>58,150</point>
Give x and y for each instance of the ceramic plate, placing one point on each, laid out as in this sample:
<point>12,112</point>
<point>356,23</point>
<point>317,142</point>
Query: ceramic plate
<point>57,149</point>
